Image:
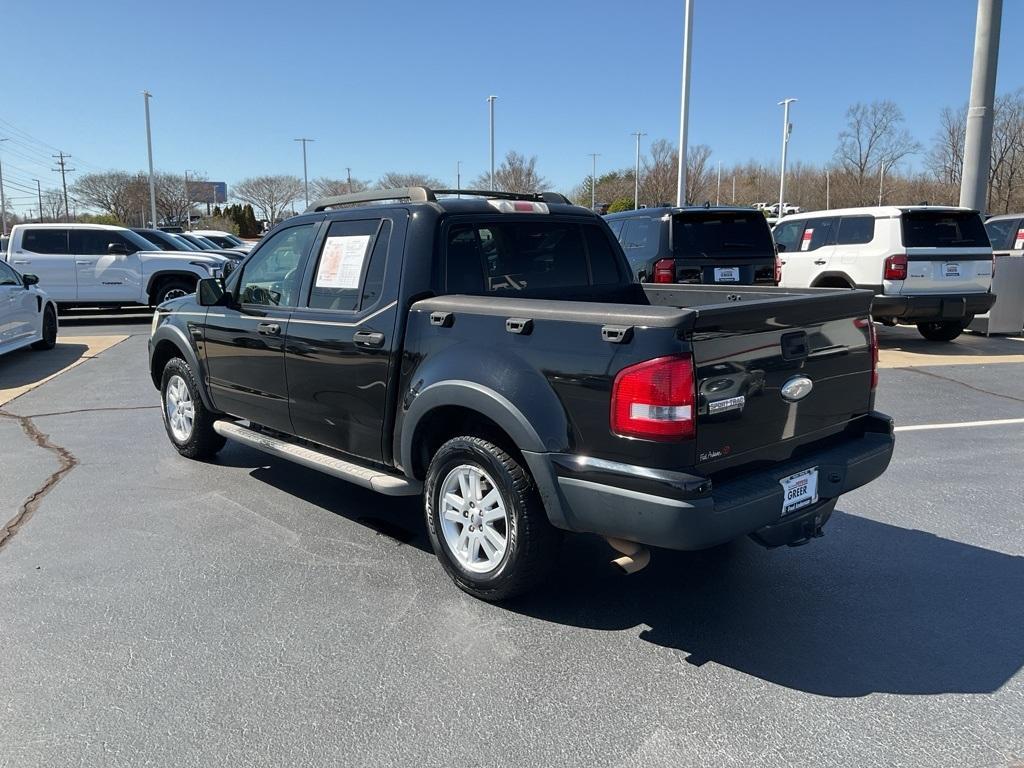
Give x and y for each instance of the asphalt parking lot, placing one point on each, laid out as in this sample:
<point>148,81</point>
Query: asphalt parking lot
<point>159,611</point>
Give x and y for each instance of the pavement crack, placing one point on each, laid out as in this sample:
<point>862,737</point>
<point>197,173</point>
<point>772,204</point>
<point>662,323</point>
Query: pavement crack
<point>66,462</point>
<point>95,410</point>
<point>965,384</point>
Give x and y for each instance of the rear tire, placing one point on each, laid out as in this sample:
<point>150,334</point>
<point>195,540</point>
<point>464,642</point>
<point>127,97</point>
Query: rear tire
<point>49,340</point>
<point>172,288</point>
<point>941,330</point>
<point>189,423</point>
<point>486,522</point>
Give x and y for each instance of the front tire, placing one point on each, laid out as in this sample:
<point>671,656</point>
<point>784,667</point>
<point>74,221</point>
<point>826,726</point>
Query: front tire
<point>941,330</point>
<point>49,340</point>
<point>172,288</point>
<point>485,519</point>
<point>188,423</point>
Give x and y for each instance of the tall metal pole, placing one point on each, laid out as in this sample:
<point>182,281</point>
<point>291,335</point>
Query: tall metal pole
<point>978,139</point>
<point>881,180</point>
<point>684,106</point>
<point>490,105</point>
<point>62,168</point>
<point>305,172</point>
<point>146,95</point>
<point>828,190</point>
<point>786,130</point>
<point>39,191</point>
<point>593,180</point>
<point>734,189</point>
<point>718,194</point>
<point>3,201</point>
<point>348,176</point>
<point>188,206</point>
<point>636,171</point>
<point>458,177</point>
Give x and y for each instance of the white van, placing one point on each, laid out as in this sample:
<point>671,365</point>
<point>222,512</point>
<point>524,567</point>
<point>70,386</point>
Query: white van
<point>100,264</point>
<point>928,265</point>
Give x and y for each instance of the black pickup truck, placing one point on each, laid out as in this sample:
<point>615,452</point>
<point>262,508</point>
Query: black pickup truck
<point>493,353</point>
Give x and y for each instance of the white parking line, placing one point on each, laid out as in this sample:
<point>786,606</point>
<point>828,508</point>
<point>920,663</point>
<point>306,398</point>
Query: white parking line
<point>959,425</point>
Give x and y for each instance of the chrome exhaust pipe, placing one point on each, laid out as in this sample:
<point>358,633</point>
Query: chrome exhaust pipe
<point>635,557</point>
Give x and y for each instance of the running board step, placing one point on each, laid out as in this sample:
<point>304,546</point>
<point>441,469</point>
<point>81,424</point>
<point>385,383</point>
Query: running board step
<point>374,479</point>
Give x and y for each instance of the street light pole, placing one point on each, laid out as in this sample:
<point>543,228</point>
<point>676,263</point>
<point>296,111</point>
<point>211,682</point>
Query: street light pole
<point>146,95</point>
<point>718,193</point>
<point>305,172</point>
<point>881,180</point>
<point>3,201</point>
<point>978,137</point>
<point>490,105</point>
<point>39,191</point>
<point>684,106</point>
<point>593,180</point>
<point>458,177</point>
<point>828,189</point>
<point>636,171</point>
<point>786,130</point>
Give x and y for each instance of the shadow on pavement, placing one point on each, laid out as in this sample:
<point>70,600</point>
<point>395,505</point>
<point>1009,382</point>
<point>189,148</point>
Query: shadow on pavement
<point>28,366</point>
<point>872,608</point>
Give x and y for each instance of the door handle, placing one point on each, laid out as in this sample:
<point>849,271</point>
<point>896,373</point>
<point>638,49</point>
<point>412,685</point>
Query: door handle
<point>820,261</point>
<point>368,339</point>
<point>83,263</point>
<point>22,261</point>
<point>268,329</point>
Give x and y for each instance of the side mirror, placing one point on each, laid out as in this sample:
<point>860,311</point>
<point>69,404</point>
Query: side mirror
<point>117,249</point>
<point>210,292</point>
<point>780,247</point>
<point>29,280</point>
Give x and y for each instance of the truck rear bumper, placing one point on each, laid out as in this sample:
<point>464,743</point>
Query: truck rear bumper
<point>925,308</point>
<point>681,511</point>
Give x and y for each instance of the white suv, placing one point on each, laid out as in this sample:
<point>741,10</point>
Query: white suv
<point>100,264</point>
<point>929,265</point>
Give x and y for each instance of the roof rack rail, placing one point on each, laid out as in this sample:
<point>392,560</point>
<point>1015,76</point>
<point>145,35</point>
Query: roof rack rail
<point>426,195</point>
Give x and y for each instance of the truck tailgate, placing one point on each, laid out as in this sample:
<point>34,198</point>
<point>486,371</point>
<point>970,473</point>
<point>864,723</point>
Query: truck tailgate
<point>748,348</point>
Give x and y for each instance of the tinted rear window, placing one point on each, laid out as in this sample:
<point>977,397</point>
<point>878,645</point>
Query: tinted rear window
<point>45,240</point>
<point>527,257</point>
<point>1001,233</point>
<point>943,229</point>
<point>721,234</point>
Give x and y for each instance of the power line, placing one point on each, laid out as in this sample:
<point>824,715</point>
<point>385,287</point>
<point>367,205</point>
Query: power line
<point>62,163</point>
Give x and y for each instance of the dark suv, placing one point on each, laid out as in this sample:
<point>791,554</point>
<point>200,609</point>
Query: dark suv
<point>698,245</point>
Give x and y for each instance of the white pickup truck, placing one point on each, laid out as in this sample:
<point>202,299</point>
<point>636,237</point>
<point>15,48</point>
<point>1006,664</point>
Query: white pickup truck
<point>98,264</point>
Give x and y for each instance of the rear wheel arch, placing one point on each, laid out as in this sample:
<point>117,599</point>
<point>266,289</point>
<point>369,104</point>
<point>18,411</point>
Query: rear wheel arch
<point>833,280</point>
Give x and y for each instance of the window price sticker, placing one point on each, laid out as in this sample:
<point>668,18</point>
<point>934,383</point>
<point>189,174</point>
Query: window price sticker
<point>341,263</point>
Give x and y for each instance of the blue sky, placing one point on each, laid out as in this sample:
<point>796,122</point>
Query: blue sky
<point>402,85</point>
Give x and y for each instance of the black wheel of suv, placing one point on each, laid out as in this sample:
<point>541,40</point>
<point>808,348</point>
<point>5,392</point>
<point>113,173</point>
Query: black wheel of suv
<point>172,288</point>
<point>941,331</point>
<point>189,424</point>
<point>49,340</point>
<point>486,521</point>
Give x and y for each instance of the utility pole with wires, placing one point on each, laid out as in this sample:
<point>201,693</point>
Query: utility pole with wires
<point>3,201</point>
<point>62,168</point>
<point>636,170</point>
<point>593,179</point>
<point>39,191</point>
<point>146,96</point>
<point>348,175</point>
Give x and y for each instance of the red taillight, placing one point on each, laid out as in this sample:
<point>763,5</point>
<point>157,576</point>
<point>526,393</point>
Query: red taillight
<point>872,346</point>
<point>665,271</point>
<point>778,269</point>
<point>654,400</point>
<point>895,268</point>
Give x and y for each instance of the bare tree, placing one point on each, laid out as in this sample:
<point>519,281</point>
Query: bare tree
<point>517,173</point>
<point>53,205</point>
<point>873,141</point>
<point>946,158</point>
<point>326,187</point>
<point>115,192</point>
<point>1007,168</point>
<point>271,196</point>
<point>396,180</point>
<point>172,201</point>
<point>659,172</point>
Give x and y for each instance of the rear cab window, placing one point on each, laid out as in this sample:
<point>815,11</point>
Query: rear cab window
<point>943,229</point>
<point>1004,233</point>
<point>721,234</point>
<point>856,230</point>
<point>527,257</point>
<point>53,241</point>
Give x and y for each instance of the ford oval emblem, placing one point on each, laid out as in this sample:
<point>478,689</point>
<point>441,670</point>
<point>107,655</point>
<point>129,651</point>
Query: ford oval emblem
<point>797,388</point>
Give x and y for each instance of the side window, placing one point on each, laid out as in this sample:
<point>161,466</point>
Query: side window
<point>92,242</point>
<point>271,277</point>
<point>616,227</point>
<point>856,230</point>
<point>351,250</point>
<point>788,235</point>
<point>641,240</point>
<point>1002,233</point>
<point>45,241</point>
<point>373,284</point>
<point>818,233</point>
<point>8,276</point>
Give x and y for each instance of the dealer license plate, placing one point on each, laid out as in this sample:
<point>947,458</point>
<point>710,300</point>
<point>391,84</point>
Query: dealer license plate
<point>951,270</point>
<point>799,490</point>
<point>727,274</point>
